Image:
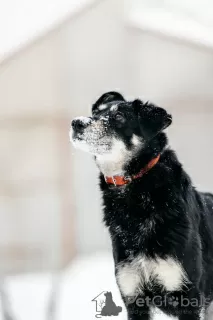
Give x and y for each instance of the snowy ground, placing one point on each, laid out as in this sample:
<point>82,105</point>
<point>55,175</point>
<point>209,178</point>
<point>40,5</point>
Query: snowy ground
<point>65,296</point>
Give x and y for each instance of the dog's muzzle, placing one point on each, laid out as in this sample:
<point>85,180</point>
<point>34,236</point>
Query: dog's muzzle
<point>79,124</point>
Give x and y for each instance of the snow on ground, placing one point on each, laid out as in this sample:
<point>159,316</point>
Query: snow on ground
<point>67,295</point>
<point>64,296</point>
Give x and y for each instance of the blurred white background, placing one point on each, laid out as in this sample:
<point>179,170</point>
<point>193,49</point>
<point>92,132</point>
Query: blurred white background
<point>56,58</point>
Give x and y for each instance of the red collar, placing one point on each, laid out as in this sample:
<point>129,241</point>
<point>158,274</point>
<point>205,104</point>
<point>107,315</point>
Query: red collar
<point>121,180</point>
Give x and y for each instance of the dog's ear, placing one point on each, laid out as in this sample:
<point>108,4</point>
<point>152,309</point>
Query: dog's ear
<point>106,98</point>
<point>152,119</point>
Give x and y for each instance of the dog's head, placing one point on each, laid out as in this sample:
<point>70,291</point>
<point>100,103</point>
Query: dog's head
<point>115,120</point>
<point>118,127</point>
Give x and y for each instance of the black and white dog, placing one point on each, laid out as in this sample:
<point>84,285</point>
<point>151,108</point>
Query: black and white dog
<point>161,227</point>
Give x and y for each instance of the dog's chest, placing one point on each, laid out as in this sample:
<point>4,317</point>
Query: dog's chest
<point>143,272</point>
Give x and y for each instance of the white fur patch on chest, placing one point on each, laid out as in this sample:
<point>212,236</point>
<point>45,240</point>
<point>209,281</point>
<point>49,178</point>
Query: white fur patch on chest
<point>132,276</point>
<point>112,162</point>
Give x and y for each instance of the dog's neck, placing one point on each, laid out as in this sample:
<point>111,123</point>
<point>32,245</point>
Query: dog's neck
<point>113,163</point>
<point>110,166</point>
<point>122,162</point>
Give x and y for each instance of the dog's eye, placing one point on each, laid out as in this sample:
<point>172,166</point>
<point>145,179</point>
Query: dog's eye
<point>119,117</point>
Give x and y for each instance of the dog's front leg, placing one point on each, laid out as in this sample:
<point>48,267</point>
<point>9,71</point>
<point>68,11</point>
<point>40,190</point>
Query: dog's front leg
<point>138,309</point>
<point>192,306</point>
<point>138,313</point>
<point>193,313</point>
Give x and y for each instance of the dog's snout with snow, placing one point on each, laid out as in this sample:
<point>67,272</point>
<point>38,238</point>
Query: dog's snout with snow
<point>117,123</point>
<point>118,129</point>
<point>79,124</point>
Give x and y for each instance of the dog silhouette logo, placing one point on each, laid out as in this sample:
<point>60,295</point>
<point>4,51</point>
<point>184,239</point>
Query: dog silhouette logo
<point>105,305</point>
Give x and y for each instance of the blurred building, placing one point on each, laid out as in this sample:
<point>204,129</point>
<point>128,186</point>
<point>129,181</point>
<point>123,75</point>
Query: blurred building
<point>50,206</point>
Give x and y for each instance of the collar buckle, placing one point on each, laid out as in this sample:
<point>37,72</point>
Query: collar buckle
<point>128,179</point>
<point>114,181</point>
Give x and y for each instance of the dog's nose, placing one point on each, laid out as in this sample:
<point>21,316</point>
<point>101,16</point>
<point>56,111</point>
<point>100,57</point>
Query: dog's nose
<point>79,124</point>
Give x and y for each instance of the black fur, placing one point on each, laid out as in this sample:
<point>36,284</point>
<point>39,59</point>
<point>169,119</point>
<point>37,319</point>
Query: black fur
<point>182,217</point>
<point>107,98</point>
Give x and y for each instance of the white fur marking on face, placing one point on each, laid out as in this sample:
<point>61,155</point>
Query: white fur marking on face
<point>102,107</point>
<point>133,275</point>
<point>85,120</point>
<point>93,139</point>
<point>112,162</point>
<point>135,140</point>
<point>82,145</point>
<point>105,118</point>
<point>114,108</point>
<point>78,144</point>
<point>157,314</point>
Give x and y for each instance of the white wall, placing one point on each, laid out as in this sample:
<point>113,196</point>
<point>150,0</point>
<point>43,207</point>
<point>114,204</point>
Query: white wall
<point>94,52</point>
<point>33,134</point>
<point>164,69</point>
